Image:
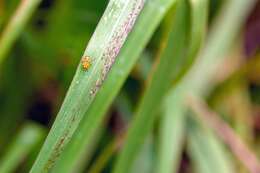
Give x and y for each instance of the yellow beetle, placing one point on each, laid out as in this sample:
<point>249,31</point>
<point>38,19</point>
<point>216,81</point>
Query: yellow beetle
<point>86,62</point>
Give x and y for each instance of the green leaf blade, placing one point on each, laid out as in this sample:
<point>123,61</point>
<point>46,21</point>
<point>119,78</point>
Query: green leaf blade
<point>102,50</point>
<point>152,14</point>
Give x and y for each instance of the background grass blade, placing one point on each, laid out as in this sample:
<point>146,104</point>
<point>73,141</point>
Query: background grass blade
<point>166,70</point>
<point>102,50</point>
<point>222,34</point>
<point>150,18</point>
<point>210,56</point>
<point>21,146</point>
<point>173,122</point>
<point>200,72</point>
<point>105,155</point>
<point>226,133</point>
<point>197,33</point>
<point>144,162</point>
<point>172,133</point>
<point>197,81</point>
<point>16,25</point>
<point>207,154</point>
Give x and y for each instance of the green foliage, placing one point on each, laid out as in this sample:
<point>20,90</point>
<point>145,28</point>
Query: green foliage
<point>24,143</point>
<point>101,52</point>
<point>207,153</point>
<point>126,111</point>
<point>160,81</point>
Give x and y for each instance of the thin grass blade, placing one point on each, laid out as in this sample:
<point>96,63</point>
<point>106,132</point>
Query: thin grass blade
<point>24,143</point>
<point>211,120</point>
<point>168,66</point>
<point>207,153</point>
<point>16,26</point>
<point>173,122</point>
<point>197,81</point>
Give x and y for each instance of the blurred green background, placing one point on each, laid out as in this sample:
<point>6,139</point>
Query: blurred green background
<point>38,70</point>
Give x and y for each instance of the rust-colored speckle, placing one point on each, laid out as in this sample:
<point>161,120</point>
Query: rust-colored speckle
<point>60,145</point>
